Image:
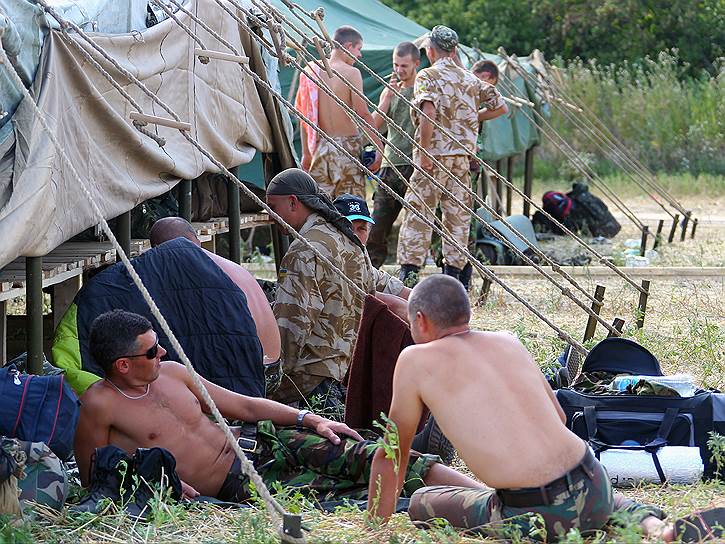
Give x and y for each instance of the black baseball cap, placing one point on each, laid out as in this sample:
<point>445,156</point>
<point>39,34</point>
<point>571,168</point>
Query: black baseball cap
<point>353,207</point>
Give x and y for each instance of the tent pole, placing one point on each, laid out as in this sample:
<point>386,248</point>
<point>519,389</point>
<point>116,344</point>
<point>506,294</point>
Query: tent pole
<point>694,227</point>
<point>673,229</point>
<point>235,223</point>
<point>528,178</point>
<point>499,188</point>
<point>617,324</point>
<point>185,199</point>
<point>510,177</point>
<point>642,305</point>
<point>34,313</point>
<point>643,242</point>
<point>658,236</point>
<point>685,223</point>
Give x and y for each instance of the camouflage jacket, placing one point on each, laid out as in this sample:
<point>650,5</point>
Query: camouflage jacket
<point>317,312</point>
<point>385,283</point>
<point>457,96</point>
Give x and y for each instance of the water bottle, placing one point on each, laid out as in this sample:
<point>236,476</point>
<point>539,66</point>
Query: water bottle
<point>684,384</point>
<point>368,155</point>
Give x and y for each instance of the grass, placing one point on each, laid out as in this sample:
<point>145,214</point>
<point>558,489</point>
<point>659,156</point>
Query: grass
<point>684,328</point>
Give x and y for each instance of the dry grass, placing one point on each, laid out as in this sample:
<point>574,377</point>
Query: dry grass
<point>684,328</point>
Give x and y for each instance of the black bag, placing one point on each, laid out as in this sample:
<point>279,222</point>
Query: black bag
<point>38,409</point>
<point>591,213</point>
<point>638,422</point>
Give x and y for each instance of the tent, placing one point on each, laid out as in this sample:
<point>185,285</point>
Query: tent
<point>92,119</point>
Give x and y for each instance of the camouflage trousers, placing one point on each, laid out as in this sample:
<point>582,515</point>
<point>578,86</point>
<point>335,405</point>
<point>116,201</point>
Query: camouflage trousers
<point>316,466</point>
<point>415,236</point>
<point>385,211</point>
<point>588,505</point>
<point>334,172</point>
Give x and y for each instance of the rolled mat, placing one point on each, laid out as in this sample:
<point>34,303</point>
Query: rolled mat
<point>680,464</point>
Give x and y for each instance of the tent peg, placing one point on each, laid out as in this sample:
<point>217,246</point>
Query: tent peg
<point>152,119</point>
<point>219,55</point>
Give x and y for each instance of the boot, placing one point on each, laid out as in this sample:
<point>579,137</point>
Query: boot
<point>452,271</point>
<point>432,440</point>
<point>106,478</point>
<point>409,274</point>
<point>153,467</point>
<point>466,275</point>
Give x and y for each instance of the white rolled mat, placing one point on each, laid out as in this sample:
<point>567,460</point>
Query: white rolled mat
<point>681,465</point>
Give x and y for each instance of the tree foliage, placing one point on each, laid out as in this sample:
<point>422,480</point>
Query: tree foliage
<point>607,30</point>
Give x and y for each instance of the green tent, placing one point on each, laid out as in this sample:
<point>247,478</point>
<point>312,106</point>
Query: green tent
<point>383,28</point>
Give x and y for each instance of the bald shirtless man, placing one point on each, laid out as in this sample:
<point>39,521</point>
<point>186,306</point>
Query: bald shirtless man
<point>169,228</point>
<point>493,403</point>
<point>143,403</point>
<point>334,172</point>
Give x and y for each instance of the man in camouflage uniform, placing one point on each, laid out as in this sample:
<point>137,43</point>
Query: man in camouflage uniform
<point>317,311</point>
<point>451,96</point>
<point>406,59</point>
<point>492,402</point>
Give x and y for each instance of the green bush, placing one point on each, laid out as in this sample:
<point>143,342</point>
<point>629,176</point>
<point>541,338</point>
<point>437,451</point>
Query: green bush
<point>670,121</point>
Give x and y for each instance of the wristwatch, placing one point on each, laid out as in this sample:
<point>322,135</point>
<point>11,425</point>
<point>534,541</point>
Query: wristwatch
<point>300,418</point>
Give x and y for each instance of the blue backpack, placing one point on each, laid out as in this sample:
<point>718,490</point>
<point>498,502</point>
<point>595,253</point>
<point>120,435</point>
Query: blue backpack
<point>38,409</point>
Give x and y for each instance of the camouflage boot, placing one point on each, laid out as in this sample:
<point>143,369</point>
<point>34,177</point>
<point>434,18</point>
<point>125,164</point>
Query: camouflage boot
<point>107,475</point>
<point>452,271</point>
<point>155,468</point>
<point>409,274</point>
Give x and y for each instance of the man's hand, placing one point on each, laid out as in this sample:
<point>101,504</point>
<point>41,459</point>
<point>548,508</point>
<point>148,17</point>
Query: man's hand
<point>330,430</point>
<point>375,166</point>
<point>188,492</point>
<point>306,162</point>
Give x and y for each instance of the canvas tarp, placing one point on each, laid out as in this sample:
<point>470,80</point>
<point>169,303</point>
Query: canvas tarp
<point>43,206</point>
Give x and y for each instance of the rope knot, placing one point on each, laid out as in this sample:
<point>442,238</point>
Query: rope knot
<point>319,13</point>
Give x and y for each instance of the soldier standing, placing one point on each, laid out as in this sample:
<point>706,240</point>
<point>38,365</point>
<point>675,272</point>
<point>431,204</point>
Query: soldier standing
<point>406,59</point>
<point>451,96</point>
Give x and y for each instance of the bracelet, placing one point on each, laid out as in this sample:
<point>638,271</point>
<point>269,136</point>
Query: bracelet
<point>300,418</point>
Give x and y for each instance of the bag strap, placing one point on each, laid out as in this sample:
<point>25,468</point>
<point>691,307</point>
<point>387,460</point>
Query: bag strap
<point>658,467</point>
<point>22,403</point>
<point>57,409</point>
<point>590,419</point>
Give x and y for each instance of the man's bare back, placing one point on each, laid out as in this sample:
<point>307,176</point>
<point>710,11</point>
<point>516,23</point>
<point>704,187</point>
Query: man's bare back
<point>170,417</point>
<point>495,407</point>
<point>258,304</point>
<point>333,119</point>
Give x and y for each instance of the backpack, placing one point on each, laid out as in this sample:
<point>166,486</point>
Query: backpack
<point>560,207</point>
<point>38,409</point>
<point>591,213</point>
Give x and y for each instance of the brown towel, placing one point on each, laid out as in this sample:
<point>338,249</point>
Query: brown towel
<point>381,337</point>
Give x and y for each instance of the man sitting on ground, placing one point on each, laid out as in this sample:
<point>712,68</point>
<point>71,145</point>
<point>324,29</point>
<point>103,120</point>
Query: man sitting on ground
<point>143,403</point>
<point>513,435</point>
<point>169,228</point>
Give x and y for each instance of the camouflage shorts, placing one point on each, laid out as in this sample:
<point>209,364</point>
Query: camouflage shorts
<point>316,466</point>
<point>587,506</point>
<point>336,173</point>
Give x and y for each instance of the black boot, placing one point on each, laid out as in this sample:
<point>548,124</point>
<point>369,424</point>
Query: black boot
<point>452,271</point>
<point>409,274</point>
<point>465,276</point>
<point>107,475</point>
<point>155,468</point>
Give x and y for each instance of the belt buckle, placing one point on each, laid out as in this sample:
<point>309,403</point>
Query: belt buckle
<point>247,444</point>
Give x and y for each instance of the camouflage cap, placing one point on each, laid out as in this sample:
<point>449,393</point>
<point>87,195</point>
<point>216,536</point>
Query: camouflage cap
<point>443,37</point>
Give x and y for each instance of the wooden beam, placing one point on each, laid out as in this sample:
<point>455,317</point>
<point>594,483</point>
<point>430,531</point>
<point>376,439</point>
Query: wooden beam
<point>34,313</point>
<point>591,327</point>
<point>163,121</point>
<point>220,55</point>
<point>658,236</point>
<point>673,228</point>
<point>642,304</point>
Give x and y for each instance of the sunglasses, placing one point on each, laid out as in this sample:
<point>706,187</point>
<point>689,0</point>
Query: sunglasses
<point>150,353</point>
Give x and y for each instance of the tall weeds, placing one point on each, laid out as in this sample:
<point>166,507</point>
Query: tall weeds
<point>672,122</point>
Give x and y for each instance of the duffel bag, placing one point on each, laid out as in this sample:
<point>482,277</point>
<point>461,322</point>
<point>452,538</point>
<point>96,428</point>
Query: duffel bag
<point>607,421</point>
<point>38,409</point>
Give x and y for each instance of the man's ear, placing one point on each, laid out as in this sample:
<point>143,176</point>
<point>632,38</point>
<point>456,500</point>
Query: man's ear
<point>121,366</point>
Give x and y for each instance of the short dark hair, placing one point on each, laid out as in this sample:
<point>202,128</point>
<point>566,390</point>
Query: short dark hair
<point>404,49</point>
<point>347,34</point>
<point>487,66</point>
<point>115,334</point>
<point>442,299</point>
<point>168,228</point>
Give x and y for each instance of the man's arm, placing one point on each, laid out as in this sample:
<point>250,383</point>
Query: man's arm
<point>306,155</point>
<point>396,304</point>
<point>93,431</point>
<point>252,409</point>
<point>493,102</point>
<point>361,108</point>
<point>487,115</point>
<point>384,106</point>
<point>426,133</point>
<point>405,411</point>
